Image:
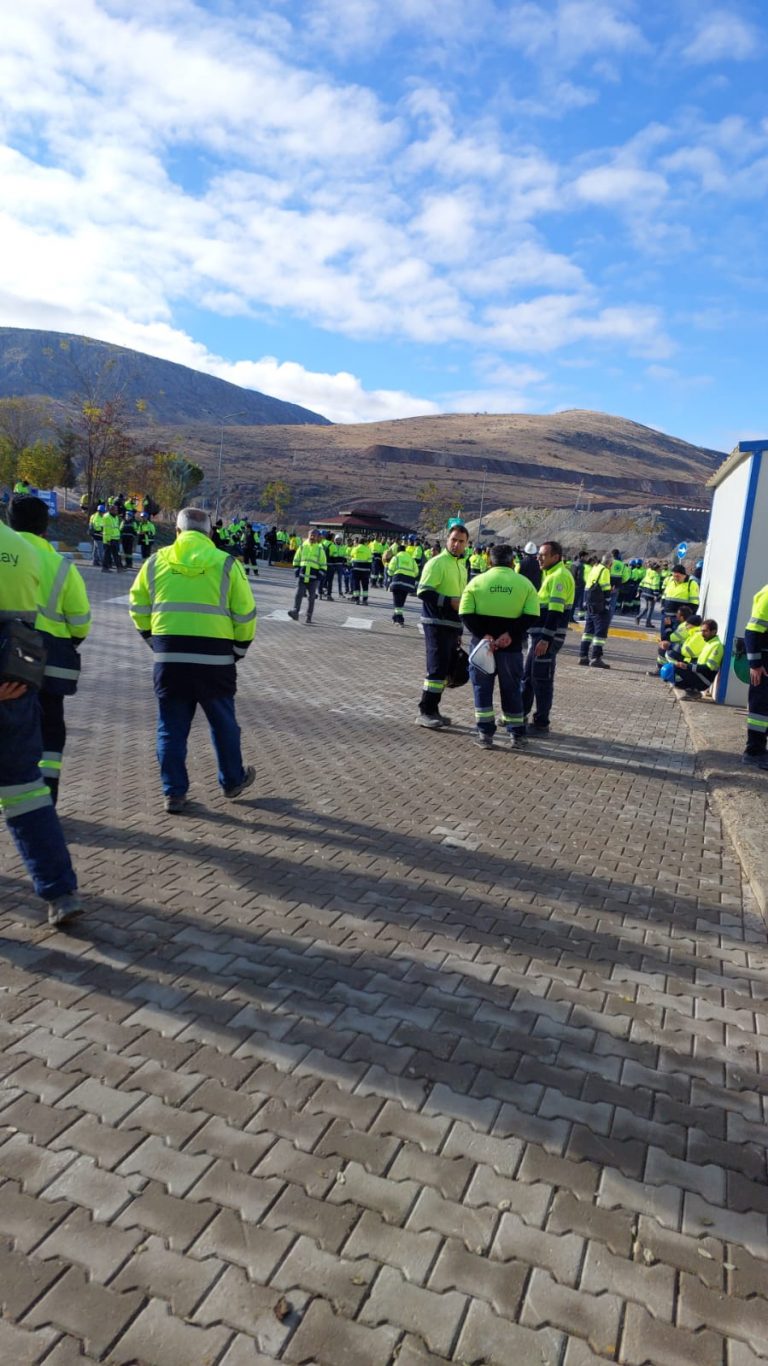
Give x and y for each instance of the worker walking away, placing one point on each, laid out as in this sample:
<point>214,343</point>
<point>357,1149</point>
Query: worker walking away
<point>361,560</point>
<point>403,575</point>
<point>337,559</point>
<point>96,533</point>
<point>498,606</point>
<point>377,562</point>
<point>478,562</point>
<point>618,572</point>
<point>529,564</point>
<point>650,587</point>
<point>145,535</point>
<point>547,637</point>
<point>110,531</point>
<point>309,564</point>
<point>64,619</point>
<point>440,588</point>
<point>25,798</point>
<point>194,606</point>
<point>597,600</point>
<point>756,642</point>
<point>250,548</point>
<point>128,536</point>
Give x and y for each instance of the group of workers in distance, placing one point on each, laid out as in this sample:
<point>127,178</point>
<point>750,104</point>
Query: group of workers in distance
<point>193,604</point>
<point>119,527</point>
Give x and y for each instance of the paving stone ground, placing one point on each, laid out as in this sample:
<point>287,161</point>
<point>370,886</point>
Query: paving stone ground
<point>417,1055</point>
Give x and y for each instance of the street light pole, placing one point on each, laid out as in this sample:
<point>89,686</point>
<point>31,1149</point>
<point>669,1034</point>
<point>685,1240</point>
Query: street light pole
<point>218,476</point>
<point>482,502</point>
<point>226,418</point>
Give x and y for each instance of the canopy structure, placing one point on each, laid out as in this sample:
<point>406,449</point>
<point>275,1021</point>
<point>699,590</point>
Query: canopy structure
<point>361,521</point>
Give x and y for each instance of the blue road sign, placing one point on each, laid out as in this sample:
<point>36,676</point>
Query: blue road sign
<point>682,549</point>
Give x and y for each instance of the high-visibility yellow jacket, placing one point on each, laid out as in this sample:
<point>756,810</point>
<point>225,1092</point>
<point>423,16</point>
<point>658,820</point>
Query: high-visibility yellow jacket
<point>110,527</point>
<point>64,615</point>
<point>403,570</point>
<point>443,578</point>
<point>500,601</point>
<point>20,573</point>
<point>674,593</point>
<point>556,593</point>
<point>693,643</point>
<point>195,606</point>
<point>310,560</point>
<point>756,632</point>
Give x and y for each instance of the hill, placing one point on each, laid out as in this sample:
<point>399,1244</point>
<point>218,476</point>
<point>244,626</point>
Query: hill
<point>57,364</point>
<point>570,459</point>
<point>574,459</point>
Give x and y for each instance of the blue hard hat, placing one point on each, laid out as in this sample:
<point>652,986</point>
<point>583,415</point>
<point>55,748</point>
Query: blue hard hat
<point>699,564</point>
<point>667,672</point>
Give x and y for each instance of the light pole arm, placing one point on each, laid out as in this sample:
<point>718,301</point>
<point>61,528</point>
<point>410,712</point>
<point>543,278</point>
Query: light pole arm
<point>218,477</point>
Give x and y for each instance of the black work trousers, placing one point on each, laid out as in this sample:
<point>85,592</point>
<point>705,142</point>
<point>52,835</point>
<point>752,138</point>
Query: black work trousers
<point>442,643</point>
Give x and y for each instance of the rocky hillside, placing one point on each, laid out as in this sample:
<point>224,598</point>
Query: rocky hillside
<point>579,460</point>
<point>57,364</point>
<point>570,459</point>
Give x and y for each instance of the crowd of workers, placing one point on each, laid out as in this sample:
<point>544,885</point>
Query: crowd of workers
<point>193,604</point>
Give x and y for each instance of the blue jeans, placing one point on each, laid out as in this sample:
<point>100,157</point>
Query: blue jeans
<point>509,672</point>
<point>174,720</point>
<point>26,800</point>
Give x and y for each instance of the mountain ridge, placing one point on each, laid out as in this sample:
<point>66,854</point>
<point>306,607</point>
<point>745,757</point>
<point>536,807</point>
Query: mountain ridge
<point>55,364</point>
<point>575,458</point>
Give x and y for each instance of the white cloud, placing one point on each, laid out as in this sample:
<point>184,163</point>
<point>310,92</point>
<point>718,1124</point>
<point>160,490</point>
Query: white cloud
<point>615,185</point>
<point>557,320</point>
<point>352,27</point>
<point>574,30</point>
<point>176,156</point>
<point>340,396</point>
<point>723,37</point>
<point>526,267</point>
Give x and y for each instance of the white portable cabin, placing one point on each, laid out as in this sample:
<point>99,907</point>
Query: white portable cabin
<point>736,558</point>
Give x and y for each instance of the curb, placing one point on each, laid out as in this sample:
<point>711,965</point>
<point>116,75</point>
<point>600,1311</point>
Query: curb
<point>618,631</point>
<point>740,796</point>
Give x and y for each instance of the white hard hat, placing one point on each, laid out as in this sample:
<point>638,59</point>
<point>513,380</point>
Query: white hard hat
<point>531,548</point>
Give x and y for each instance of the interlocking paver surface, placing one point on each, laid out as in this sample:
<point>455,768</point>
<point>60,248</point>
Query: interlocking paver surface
<point>417,1055</point>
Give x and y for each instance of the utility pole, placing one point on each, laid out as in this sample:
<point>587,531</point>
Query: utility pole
<point>226,418</point>
<point>482,502</point>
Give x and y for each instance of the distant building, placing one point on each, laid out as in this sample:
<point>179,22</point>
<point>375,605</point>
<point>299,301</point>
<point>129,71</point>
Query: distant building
<point>362,521</point>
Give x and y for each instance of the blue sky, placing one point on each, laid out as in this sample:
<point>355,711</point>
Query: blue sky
<point>378,208</point>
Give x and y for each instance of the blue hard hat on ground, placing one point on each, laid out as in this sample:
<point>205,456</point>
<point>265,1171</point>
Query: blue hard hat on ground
<point>667,672</point>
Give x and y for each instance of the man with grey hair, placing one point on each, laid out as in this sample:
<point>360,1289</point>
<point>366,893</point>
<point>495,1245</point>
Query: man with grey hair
<point>194,606</point>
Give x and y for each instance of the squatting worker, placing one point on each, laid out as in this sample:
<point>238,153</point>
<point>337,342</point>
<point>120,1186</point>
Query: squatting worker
<point>64,617</point>
<point>679,590</point>
<point>194,606</point>
<point>756,641</point>
<point>547,637</point>
<point>25,798</point>
<point>499,606</point>
<point>441,585</point>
